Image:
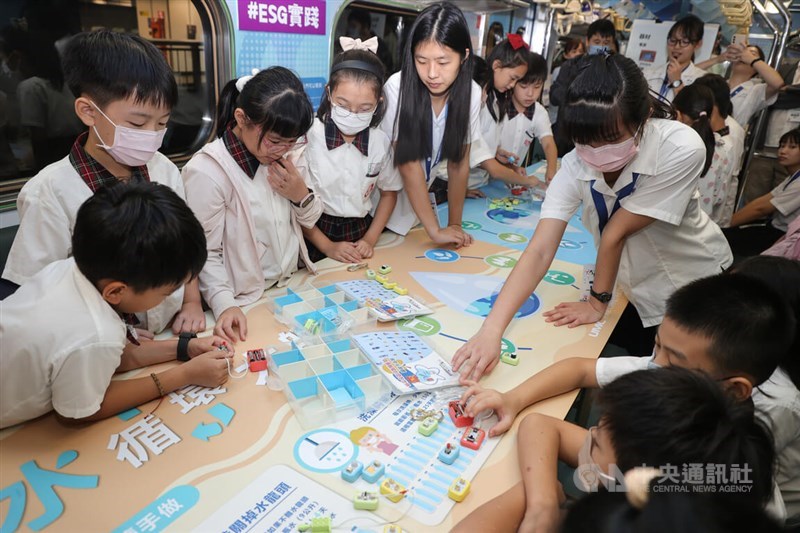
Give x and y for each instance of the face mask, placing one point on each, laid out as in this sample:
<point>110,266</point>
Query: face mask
<point>350,123</point>
<point>588,475</point>
<point>131,147</point>
<point>597,49</point>
<point>608,158</point>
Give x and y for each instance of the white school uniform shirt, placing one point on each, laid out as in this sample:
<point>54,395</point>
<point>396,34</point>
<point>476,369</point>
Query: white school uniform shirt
<point>782,120</point>
<point>403,218</point>
<point>48,206</point>
<point>253,235</point>
<point>777,403</point>
<point>61,344</point>
<point>656,75</point>
<point>786,200</point>
<point>481,150</point>
<point>681,245</point>
<point>715,186</point>
<point>343,177</point>
<point>518,132</point>
<point>734,142</point>
<point>749,98</point>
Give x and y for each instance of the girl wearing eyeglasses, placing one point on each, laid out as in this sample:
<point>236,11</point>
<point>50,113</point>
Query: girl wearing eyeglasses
<point>246,189</point>
<point>685,37</point>
<point>350,159</point>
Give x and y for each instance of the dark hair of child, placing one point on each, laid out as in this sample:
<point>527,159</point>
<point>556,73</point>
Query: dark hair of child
<point>480,72</point>
<point>697,103</point>
<point>142,234</point>
<point>274,100</point>
<point>107,66</point>
<point>690,27</point>
<point>537,70</point>
<point>791,136</point>
<point>358,66</point>
<point>507,57</point>
<point>442,23</point>
<point>609,91</point>
<point>602,27</point>
<point>722,93</point>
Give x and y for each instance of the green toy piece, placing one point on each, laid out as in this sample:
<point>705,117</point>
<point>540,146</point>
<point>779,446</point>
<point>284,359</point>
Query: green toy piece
<point>385,269</point>
<point>509,358</point>
<point>366,500</point>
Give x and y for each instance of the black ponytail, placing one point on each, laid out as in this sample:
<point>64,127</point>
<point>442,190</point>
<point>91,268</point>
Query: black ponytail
<point>697,103</point>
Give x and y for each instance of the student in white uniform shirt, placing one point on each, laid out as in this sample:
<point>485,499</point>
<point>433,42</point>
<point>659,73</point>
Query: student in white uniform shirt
<point>349,158</point>
<point>248,191</point>
<point>526,120</point>
<point>730,133</point>
<point>749,95</point>
<point>432,113</point>
<point>63,334</point>
<point>635,176</point>
<point>685,37</point>
<point>780,206</point>
<point>735,328</point>
<point>694,106</point>
<point>125,92</point>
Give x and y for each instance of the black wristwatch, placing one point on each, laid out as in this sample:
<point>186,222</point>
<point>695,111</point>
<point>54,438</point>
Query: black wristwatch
<point>602,297</point>
<point>183,345</point>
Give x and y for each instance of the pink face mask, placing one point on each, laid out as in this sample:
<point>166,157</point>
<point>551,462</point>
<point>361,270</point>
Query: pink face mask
<point>608,158</point>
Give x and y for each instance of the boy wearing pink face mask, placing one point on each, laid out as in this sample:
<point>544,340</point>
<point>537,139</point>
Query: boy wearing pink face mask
<point>125,91</point>
<point>635,176</point>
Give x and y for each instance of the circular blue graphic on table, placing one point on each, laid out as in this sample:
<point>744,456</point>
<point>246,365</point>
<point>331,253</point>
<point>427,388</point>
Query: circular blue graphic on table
<point>325,450</point>
<point>570,245</point>
<point>442,256</point>
<point>483,306</point>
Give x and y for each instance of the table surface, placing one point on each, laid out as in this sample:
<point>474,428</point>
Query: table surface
<point>219,459</point>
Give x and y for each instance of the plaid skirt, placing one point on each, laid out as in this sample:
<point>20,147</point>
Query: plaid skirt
<point>338,229</point>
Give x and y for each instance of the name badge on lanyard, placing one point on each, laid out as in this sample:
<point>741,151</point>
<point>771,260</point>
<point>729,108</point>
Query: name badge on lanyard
<point>600,201</point>
<point>737,91</point>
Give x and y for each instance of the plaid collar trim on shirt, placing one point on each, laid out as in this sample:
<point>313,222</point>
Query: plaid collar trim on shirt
<point>246,161</point>
<point>95,175</point>
<point>723,132</point>
<point>334,139</point>
<point>512,110</point>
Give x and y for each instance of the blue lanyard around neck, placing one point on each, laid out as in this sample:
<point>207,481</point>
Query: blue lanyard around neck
<point>429,165</point>
<point>794,177</point>
<point>665,86</point>
<point>600,201</point>
<point>737,90</point>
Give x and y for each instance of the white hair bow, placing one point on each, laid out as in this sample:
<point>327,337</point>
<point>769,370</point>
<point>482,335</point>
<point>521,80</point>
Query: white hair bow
<point>370,45</point>
<point>241,82</point>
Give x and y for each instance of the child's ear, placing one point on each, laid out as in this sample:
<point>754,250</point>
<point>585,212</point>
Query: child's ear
<point>113,292</point>
<point>739,387</point>
<point>85,111</point>
<point>240,117</point>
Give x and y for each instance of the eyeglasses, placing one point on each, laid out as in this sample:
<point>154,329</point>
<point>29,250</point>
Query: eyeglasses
<point>296,143</point>
<point>682,43</point>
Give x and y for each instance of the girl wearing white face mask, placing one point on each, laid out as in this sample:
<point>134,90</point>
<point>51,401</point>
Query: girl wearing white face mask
<point>635,175</point>
<point>349,159</point>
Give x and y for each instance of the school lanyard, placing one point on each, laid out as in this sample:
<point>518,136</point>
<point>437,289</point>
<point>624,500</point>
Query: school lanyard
<point>736,91</point>
<point>431,164</point>
<point>600,202</point>
<point>794,177</point>
<point>665,85</point>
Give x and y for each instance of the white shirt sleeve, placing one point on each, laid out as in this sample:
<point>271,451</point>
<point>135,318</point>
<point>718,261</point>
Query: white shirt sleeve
<point>474,113</point>
<point>610,368</point>
<point>666,193</point>
<point>389,178</point>
<point>786,199</point>
<point>79,384</point>
<point>563,194</point>
<point>391,98</point>
<point>540,125</point>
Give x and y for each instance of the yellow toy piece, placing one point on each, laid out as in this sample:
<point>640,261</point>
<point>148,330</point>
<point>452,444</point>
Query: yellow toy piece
<point>381,278</point>
<point>389,285</point>
<point>401,291</point>
<point>393,490</point>
<point>459,489</point>
<point>393,528</point>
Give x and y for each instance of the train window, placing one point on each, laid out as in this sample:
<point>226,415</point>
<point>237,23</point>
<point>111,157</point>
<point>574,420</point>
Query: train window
<point>37,120</point>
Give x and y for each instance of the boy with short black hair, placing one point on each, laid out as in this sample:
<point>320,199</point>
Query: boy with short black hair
<point>669,417</point>
<point>125,91</point>
<point>731,326</point>
<point>62,333</point>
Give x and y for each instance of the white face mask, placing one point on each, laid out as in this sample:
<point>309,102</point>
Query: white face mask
<point>350,123</point>
<point>588,475</point>
<point>131,147</point>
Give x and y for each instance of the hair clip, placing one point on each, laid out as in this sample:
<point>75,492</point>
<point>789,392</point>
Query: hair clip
<point>516,41</point>
<point>637,485</point>
<point>370,45</point>
<point>241,82</point>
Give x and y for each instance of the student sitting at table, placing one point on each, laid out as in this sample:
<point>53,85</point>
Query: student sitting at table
<point>655,418</point>
<point>63,331</point>
<point>250,196</point>
<point>768,216</point>
<point>349,158</point>
<point>635,175</point>
<point>735,328</point>
<point>125,91</point>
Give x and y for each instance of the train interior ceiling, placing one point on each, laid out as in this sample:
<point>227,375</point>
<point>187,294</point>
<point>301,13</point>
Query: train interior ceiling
<point>206,47</point>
